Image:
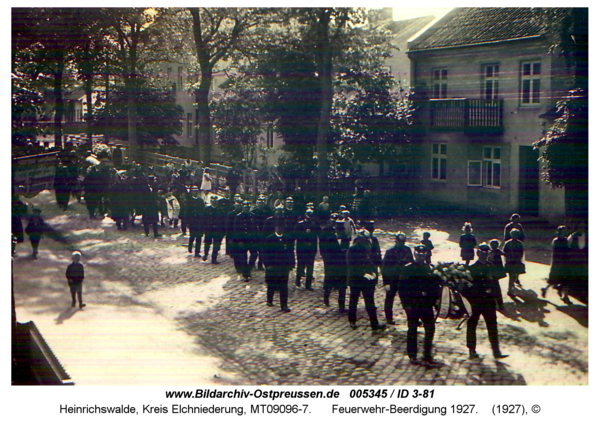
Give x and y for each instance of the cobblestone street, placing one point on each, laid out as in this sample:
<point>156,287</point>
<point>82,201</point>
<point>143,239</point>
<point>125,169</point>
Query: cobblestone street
<point>157,315</point>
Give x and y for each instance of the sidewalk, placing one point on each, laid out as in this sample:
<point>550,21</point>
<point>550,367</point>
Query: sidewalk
<point>157,315</point>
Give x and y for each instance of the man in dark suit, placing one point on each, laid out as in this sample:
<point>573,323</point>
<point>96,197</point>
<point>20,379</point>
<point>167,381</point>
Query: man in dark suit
<point>195,220</point>
<point>215,228</point>
<point>394,263</point>
<point>231,245</point>
<point>334,262</point>
<point>483,303</point>
<point>419,290</point>
<point>278,259</point>
<point>261,212</point>
<point>307,232</point>
<point>246,232</point>
<point>362,279</point>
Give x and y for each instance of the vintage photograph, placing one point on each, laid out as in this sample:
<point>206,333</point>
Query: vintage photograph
<point>331,196</point>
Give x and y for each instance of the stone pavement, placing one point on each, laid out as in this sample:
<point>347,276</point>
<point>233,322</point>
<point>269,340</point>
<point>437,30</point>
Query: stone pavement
<point>156,315</point>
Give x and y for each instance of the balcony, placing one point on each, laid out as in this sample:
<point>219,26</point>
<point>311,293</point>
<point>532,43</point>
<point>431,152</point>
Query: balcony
<point>465,114</point>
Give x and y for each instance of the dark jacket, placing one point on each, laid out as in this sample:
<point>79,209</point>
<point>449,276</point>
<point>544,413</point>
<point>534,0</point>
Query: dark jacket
<point>394,263</point>
<point>194,214</point>
<point>330,248</point>
<point>215,219</point>
<point>307,234</point>
<point>375,252</point>
<point>270,224</point>
<point>277,255</point>
<point>508,229</point>
<point>261,214</point>
<point>245,228</point>
<point>36,227</point>
<point>481,292</point>
<point>359,260</point>
<point>420,287</point>
<point>75,273</point>
<point>560,265</point>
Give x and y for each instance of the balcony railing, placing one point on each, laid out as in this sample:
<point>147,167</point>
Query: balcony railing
<point>465,113</point>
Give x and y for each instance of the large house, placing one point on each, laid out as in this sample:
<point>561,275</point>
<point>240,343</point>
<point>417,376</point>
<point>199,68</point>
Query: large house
<point>488,85</point>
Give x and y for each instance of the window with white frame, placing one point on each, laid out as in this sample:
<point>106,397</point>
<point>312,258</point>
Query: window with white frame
<point>439,83</point>
<point>492,166</point>
<point>531,82</point>
<point>491,80</point>
<point>438,161</point>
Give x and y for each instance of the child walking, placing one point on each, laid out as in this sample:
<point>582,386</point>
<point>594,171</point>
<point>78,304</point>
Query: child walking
<point>513,250</point>
<point>75,275</point>
<point>429,245</point>
<point>467,244</point>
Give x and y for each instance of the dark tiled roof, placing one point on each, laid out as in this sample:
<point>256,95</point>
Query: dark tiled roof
<point>469,26</point>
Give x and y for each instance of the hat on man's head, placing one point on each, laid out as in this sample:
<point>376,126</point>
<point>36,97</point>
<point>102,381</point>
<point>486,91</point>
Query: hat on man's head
<point>420,249</point>
<point>483,247</point>
<point>400,236</point>
<point>75,254</point>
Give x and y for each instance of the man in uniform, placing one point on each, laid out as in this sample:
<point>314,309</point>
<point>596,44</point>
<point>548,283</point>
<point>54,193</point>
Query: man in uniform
<point>362,279</point>
<point>246,232</point>
<point>231,246</point>
<point>261,211</point>
<point>483,303</point>
<point>195,220</point>
<point>394,263</point>
<point>215,228</point>
<point>307,232</point>
<point>334,263</point>
<point>278,258</point>
<point>419,290</point>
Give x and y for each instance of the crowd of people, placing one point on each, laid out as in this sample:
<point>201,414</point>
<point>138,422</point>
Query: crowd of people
<point>279,233</point>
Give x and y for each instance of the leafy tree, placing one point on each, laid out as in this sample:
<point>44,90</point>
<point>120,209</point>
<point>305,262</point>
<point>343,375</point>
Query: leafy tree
<point>238,116</point>
<point>159,114</point>
<point>134,37</point>
<point>564,148</point>
<point>218,33</point>
<point>314,54</point>
<point>27,100</point>
<point>91,57</point>
<point>373,120</point>
<point>49,36</point>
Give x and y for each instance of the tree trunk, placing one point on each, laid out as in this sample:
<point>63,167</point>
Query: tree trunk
<point>132,118</point>
<point>325,58</point>
<point>204,124</point>
<point>106,104</point>
<point>89,115</point>
<point>59,104</point>
<point>202,94</point>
